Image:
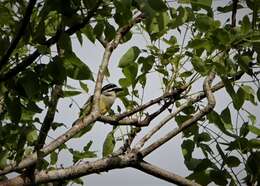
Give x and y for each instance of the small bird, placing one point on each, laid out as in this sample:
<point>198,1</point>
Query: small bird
<point>107,98</point>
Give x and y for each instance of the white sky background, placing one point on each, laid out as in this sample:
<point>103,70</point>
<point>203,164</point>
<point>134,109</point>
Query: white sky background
<point>168,156</point>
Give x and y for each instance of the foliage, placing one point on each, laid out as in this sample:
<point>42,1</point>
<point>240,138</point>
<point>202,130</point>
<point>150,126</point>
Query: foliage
<point>186,41</point>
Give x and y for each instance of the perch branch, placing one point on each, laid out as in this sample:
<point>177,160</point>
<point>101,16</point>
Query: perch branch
<point>164,174</point>
<point>189,122</point>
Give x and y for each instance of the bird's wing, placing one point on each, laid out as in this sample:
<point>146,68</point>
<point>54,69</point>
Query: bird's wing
<point>85,110</point>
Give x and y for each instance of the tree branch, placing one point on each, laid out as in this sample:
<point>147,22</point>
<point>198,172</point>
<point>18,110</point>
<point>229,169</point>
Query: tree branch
<point>234,12</point>
<point>172,94</point>
<point>108,51</point>
<point>18,36</point>
<point>32,57</point>
<point>75,171</point>
<point>81,122</point>
<point>164,174</point>
<point>189,122</point>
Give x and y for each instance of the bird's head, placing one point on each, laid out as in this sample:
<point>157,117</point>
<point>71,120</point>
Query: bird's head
<point>110,89</point>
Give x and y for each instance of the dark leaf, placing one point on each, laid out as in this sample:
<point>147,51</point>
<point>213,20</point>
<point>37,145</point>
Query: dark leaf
<point>129,57</point>
<point>13,107</point>
<point>109,144</point>
<point>158,5</point>
<point>54,158</point>
<point>75,68</point>
<point>232,161</point>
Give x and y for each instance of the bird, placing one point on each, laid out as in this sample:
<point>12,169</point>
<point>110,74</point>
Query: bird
<point>108,96</point>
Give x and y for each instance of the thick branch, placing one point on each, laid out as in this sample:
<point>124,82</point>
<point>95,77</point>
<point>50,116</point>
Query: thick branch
<point>55,95</point>
<point>189,122</point>
<point>164,174</point>
<point>82,122</point>
<point>18,36</point>
<point>76,171</point>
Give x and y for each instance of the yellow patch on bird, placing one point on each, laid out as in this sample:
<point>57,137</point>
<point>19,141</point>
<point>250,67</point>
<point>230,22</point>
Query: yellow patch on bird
<point>103,107</point>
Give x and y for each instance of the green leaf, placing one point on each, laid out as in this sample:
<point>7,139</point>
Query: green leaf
<point>205,23</point>
<point>226,118</point>
<point>13,107</point>
<point>30,83</point>
<point>203,3</point>
<point>88,145</point>
<point>99,29</point>
<point>109,144</point>
<point>186,74</point>
<point>75,68</point>
<point>55,71</point>
<point>90,4</point>
<point>244,130</point>
<point>89,32</point>
<point>130,73</point>
<point>187,149</point>
<point>254,143</point>
<point>223,37</point>
<point>181,18</point>
<point>252,164</point>
<point>124,82</point>
<point>239,144</point>
<point>249,93</point>
<point>243,62</point>
<point>252,118</point>
<point>158,5</point>
<point>65,42</point>
<point>203,137</point>
<point>201,44</point>
<point>147,63</point>
<point>3,159</point>
<point>232,161</point>
<point>109,32</point>
<point>245,25</point>
<point>54,157</point>
<point>129,57</point>
<point>219,177</point>
<point>198,65</point>
<point>77,155</point>
<point>237,102</point>
<point>201,177</point>
<point>254,130</point>
<point>84,86</point>
<point>70,93</point>
<point>157,25</point>
<point>32,136</point>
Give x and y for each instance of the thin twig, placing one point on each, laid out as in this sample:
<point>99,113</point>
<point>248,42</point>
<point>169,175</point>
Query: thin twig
<point>20,33</point>
<point>189,122</point>
<point>234,12</point>
<point>32,57</point>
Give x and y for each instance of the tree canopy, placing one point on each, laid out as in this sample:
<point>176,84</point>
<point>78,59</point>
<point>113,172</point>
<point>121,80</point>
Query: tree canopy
<point>195,47</point>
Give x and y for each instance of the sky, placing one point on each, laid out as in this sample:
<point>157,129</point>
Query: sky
<point>168,156</point>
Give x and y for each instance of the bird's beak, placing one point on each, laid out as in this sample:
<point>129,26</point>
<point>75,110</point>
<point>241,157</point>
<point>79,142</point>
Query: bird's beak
<point>118,89</point>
